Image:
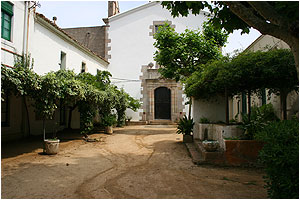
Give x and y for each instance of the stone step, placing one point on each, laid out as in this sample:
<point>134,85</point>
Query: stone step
<point>194,154</point>
<point>133,123</point>
<point>161,122</point>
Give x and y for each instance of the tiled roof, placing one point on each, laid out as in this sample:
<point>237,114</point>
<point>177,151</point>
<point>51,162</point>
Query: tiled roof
<point>61,30</point>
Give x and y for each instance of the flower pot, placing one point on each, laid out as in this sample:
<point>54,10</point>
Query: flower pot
<point>51,146</point>
<point>188,138</point>
<point>210,146</point>
<point>109,129</point>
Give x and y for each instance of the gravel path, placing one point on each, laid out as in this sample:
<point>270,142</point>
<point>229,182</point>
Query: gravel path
<point>134,162</point>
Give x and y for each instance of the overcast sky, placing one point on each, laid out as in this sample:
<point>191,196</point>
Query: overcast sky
<point>90,13</point>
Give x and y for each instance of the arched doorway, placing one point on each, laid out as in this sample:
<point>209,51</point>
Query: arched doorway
<point>162,103</point>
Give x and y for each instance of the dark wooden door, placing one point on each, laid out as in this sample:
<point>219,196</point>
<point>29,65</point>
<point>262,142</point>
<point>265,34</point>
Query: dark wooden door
<point>162,100</point>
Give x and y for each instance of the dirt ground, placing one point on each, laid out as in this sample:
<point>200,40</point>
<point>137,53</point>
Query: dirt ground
<point>133,162</point>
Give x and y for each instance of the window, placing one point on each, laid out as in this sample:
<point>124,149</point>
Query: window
<point>5,112</point>
<point>63,60</point>
<point>264,97</point>
<point>6,19</point>
<point>244,103</point>
<point>83,67</point>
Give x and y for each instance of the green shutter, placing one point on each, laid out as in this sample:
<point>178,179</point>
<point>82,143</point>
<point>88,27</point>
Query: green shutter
<point>5,26</point>
<point>7,7</point>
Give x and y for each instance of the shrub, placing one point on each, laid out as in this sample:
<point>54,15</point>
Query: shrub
<point>185,126</point>
<point>204,120</point>
<point>260,117</point>
<point>280,158</point>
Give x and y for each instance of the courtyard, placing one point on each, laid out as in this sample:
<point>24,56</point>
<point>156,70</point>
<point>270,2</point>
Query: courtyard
<point>134,162</point>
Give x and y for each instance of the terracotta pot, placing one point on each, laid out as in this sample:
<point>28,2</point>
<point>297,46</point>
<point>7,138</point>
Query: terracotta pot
<point>51,146</point>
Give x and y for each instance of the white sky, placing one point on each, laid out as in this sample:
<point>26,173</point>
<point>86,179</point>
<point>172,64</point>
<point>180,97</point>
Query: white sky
<point>90,13</point>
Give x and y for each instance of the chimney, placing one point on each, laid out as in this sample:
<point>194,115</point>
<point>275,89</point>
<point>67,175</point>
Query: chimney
<point>54,19</point>
<point>113,8</point>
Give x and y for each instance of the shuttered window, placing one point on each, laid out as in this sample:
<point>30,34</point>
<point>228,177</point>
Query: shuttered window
<point>6,16</point>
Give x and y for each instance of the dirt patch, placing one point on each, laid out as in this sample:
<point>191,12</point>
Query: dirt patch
<point>134,162</point>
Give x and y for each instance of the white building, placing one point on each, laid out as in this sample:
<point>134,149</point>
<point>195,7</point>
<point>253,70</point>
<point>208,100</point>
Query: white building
<point>24,32</point>
<point>128,42</point>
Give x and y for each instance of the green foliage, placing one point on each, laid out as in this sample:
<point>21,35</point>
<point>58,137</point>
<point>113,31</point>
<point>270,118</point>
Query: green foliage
<point>260,117</point>
<point>109,120</point>
<point>181,54</point>
<point>185,126</point>
<point>90,93</point>
<point>223,17</point>
<point>204,120</point>
<point>249,71</point>
<point>280,156</point>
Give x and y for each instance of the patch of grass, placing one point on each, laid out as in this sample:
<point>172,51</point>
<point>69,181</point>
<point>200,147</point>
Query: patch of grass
<point>226,179</point>
<point>250,183</point>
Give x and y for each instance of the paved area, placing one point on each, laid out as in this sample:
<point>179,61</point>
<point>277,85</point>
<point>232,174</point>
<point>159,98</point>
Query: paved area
<point>134,162</point>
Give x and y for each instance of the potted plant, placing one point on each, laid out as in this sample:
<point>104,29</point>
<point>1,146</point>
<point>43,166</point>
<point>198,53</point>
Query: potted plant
<point>185,127</point>
<point>109,121</point>
<point>210,145</point>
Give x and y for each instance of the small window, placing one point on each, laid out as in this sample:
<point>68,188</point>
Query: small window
<point>83,67</point>
<point>5,111</point>
<point>264,97</point>
<point>6,19</point>
<point>156,28</point>
<point>63,58</point>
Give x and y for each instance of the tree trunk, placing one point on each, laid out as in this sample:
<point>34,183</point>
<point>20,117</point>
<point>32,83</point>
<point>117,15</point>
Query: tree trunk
<point>70,115</point>
<point>249,104</point>
<point>27,114</point>
<point>283,104</point>
<point>190,107</point>
<point>226,107</point>
<point>44,130</point>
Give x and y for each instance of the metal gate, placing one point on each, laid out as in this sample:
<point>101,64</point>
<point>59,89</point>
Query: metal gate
<point>162,101</point>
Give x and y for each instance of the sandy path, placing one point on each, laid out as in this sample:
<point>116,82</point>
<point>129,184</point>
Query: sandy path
<point>134,162</point>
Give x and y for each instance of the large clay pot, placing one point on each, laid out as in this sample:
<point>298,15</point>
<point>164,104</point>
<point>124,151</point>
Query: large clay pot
<point>51,146</point>
<point>188,138</point>
<point>109,129</point>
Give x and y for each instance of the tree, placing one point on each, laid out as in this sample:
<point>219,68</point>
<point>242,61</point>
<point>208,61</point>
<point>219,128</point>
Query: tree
<point>276,18</point>
<point>248,72</point>
<point>181,54</point>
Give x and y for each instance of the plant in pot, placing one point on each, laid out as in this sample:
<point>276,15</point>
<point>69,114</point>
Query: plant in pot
<point>109,121</point>
<point>45,106</point>
<point>185,126</point>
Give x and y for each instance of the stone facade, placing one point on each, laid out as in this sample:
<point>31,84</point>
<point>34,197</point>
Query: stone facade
<point>152,80</point>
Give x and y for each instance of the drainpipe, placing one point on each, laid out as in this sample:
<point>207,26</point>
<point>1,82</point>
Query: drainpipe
<point>25,29</point>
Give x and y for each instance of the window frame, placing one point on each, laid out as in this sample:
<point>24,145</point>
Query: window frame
<point>6,9</point>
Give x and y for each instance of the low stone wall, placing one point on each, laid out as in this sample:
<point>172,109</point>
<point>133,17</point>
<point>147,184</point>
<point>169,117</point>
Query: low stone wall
<point>242,152</point>
<point>216,132</point>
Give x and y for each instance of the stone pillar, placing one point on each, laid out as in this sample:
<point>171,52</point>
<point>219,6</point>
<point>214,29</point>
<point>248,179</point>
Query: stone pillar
<point>113,8</point>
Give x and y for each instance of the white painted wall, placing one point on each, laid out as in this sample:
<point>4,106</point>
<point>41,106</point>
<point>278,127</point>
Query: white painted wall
<point>132,47</point>
<point>16,43</point>
<point>46,48</point>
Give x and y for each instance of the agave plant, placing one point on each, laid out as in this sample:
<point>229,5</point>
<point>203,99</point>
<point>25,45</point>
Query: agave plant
<point>185,126</point>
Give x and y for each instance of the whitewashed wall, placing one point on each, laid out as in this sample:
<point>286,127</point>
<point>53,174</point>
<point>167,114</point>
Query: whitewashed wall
<point>132,47</point>
<point>16,43</point>
<point>46,48</point>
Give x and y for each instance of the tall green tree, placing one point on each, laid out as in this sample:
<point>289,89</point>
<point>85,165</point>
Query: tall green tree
<point>181,54</point>
<point>276,18</point>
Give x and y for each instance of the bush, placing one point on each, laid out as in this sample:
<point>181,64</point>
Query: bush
<point>204,120</point>
<point>260,117</point>
<point>280,156</point>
